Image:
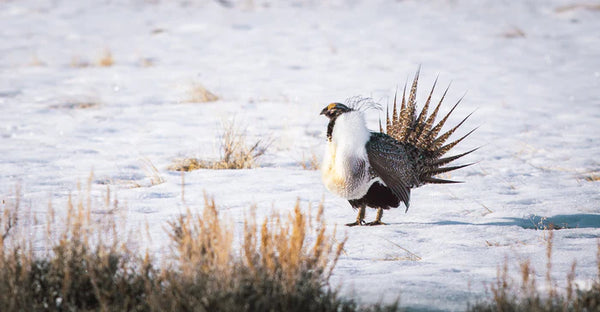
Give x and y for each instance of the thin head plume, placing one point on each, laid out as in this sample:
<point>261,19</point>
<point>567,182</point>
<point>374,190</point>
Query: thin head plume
<point>361,103</point>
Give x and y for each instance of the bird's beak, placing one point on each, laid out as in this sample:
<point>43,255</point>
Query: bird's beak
<point>324,110</point>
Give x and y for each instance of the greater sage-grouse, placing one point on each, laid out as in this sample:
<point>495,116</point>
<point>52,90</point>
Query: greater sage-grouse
<point>378,169</point>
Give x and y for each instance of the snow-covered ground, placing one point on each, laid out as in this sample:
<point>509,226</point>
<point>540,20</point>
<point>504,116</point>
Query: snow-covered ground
<point>531,69</point>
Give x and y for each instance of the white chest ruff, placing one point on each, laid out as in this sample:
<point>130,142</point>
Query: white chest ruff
<point>345,165</point>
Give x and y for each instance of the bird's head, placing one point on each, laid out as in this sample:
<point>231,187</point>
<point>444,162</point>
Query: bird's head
<point>333,110</point>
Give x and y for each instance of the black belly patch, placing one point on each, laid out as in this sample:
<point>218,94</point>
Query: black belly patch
<point>378,196</point>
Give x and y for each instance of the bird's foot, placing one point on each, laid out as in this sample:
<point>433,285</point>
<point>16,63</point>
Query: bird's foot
<point>357,222</point>
<point>376,222</point>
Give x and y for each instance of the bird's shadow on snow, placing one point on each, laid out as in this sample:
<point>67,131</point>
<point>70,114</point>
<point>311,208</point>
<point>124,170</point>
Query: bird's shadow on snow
<point>533,222</point>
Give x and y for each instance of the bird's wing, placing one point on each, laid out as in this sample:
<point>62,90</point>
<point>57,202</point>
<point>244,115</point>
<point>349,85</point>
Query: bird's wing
<point>389,160</point>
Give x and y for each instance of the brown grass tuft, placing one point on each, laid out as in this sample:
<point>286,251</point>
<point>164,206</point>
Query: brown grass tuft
<point>152,172</point>
<point>276,249</point>
<point>146,62</point>
<point>235,153</point>
<point>510,296</point>
<point>312,163</point>
<point>203,242</point>
<point>197,93</point>
<point>9,217</point>
<point>87,267</point>
<point>592,177</point>
<point>106,60</point>
<point>514,32</point>
<point>36,61</point>
<point>188,164</point>
<point>578,6</point>
<point>78,62</point>
<point>77,104</point>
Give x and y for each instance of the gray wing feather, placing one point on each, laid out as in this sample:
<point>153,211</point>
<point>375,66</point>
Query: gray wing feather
<point>389,159</point>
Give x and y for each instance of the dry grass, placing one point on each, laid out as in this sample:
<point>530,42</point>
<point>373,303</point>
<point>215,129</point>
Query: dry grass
<point>78,62</point>
<point>592,177</point>
<point>525,296</point>
<point>10,217</point>
<point>106,60</point>
<point>77,104</point>
<point>310,163</point>
<point>188,164</point>
<point>153,177</point>
<point>152,172</point>
<point>36,61</point>
<point>81,260</point>
<point>88,268</point>
<point>146,62</point>
<point>274,251</point>
<point>407,254</point>
<point>236,153</point>
<point>578,6</point>
<point>514,32</point>
<point>197,93</point>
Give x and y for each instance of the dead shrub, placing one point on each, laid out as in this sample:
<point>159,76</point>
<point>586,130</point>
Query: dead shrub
<point>578,6</point>
<point>276,270</point>
<point>510,296</point>
<point>592,177</point>
<point>152,172</point>
<point>310,163</point>
<point>78,104</point>
<point>236,153</point>
<point>83,267</point>
<point>78,62</point>
<point>36,61</point>
<point>146,62</point>
<point>87,268</point>
<point>106,60</point>
<point>197,93</point>
<point>514,32</point>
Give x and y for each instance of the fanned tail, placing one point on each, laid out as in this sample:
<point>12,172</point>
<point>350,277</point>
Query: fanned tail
<point>421,132</point>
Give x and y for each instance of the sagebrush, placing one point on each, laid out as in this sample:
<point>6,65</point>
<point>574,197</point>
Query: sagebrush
<point>236,152</point>
<point>526,296</point>
<point>276,268</point>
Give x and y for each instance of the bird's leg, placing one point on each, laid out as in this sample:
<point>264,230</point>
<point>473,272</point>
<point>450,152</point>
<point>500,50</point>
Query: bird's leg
<point>378,218</point>
<point>360,219</point>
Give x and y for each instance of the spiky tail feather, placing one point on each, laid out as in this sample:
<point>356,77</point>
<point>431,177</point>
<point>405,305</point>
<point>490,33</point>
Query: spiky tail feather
<point>421,133</point>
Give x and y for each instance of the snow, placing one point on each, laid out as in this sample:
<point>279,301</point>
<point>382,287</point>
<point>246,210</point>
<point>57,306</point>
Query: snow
<point>530,68</point>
